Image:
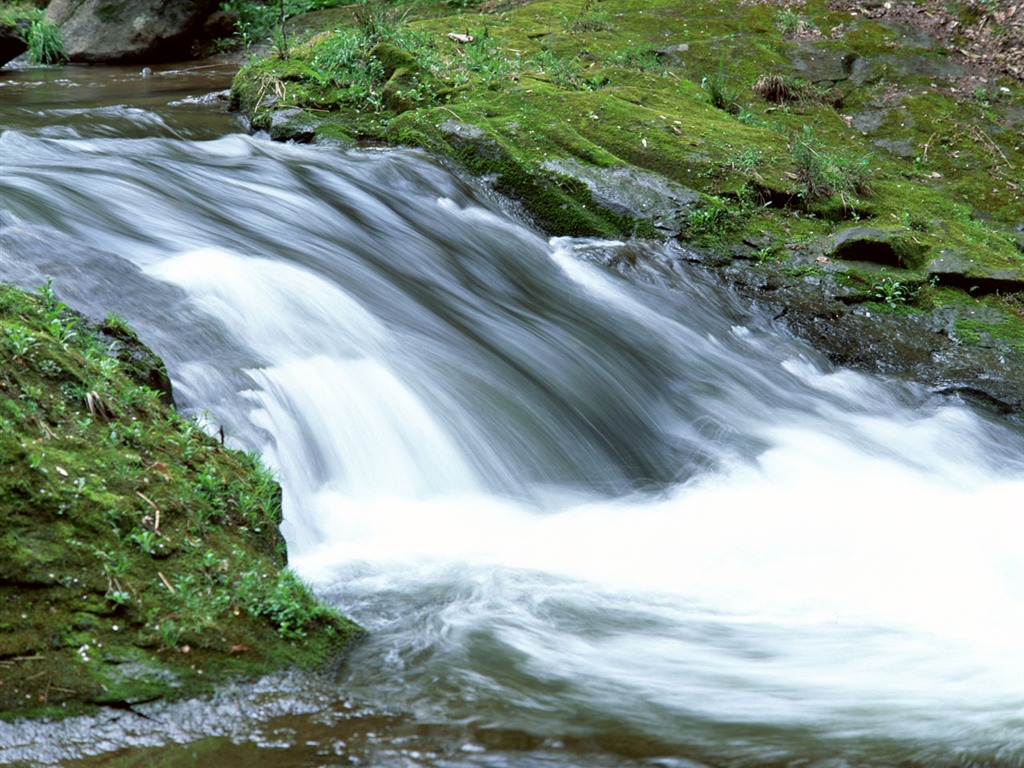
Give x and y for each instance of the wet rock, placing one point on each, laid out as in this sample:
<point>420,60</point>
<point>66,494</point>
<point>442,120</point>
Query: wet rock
<point>12,42</point>
<point>96,31</point>
<point>291,125</point>
<point>920,347</point>
<point>470,138</point>
<point>894,248</point>
<point>632,192</point>
<point>221,24</point>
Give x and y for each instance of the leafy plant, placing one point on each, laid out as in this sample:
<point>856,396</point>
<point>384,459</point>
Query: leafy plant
<point>286,601</point>
<point>897,292</point>
<point>710,221</point>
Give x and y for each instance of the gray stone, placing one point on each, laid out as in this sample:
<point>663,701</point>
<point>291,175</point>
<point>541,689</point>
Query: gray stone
<point>673,53</point>
<point>98,31</point>
<point>870,120</point>
<point>895,248</point>
<point>911,36</point>
<point>898,147</point>
<point>292,125</point>
<point>633,192</point>
<point>818,65</point>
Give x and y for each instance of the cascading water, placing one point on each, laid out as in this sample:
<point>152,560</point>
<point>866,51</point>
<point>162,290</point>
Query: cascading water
<point>588,518</point>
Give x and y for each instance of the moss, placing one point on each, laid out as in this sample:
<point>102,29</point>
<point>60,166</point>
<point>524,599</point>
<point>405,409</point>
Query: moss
<point>138,556</point>
<point>896,142</point>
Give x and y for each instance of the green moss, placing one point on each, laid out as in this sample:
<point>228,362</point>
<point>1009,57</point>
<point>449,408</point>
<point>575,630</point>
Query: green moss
<point>880,134</point>
<point>138,556</point>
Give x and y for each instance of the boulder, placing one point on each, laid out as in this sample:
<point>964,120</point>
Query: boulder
<point>99,31</point>
<point>894,248</point>
<point>12,42</point>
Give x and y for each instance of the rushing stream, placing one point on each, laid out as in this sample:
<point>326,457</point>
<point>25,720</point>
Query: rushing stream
<point>594,509</point>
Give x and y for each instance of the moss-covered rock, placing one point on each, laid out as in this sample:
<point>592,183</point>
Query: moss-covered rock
<point>139,557</point>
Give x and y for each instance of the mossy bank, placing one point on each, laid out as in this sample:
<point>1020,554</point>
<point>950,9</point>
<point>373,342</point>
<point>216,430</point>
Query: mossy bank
<point>139,558</point>
<point>806,142</point>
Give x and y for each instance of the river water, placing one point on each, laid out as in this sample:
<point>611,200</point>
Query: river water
<point>594,509</point>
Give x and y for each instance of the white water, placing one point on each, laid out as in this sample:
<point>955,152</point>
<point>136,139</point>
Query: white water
<point>624,514</point>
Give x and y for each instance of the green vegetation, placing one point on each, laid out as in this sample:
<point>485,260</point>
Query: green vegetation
<point>138,556</point>
<point>45,45</point>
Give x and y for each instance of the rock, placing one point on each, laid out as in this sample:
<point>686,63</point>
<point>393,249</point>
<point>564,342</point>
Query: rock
<point>12,42</point>
<point>673,53</point>
<point>221,24</point>
<point>925,65</point>
<point>894,248</point>
<point>96,31</point>
<point>471,139</point>
<point>632,192</point>
<point>819,65</point>
<point>292,125</point>
<point>900,147</point>
<point>957,269</point>
<point>870,120</point>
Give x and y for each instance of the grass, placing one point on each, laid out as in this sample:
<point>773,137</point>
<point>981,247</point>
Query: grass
<point>128,531</point>
<point>45,45</point>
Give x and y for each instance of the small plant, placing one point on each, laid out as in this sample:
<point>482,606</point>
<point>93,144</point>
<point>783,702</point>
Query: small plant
<point>145,539</point>
<point>896,292</point>
<point>20,339</point>
<point>791,23</point>
<point>45,44</point>
<point>825,173</point>
<point>286,601</point>
<point>720,93</point>
<point>588,19</point>
<point>644,58</point>
<point>378,23</point>
<point>709,222</point>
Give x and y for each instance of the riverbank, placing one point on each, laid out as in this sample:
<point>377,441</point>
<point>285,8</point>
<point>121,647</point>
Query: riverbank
<point>857,174</point>
<point>139,558</point>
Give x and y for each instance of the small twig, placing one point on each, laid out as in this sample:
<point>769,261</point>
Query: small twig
<point>165,581</point>
<point>156,522</point>
<point>927,145</point>
<point>987,139</point>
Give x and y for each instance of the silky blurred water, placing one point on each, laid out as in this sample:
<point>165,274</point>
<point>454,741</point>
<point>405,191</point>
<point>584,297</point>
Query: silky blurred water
<point>590,514</point>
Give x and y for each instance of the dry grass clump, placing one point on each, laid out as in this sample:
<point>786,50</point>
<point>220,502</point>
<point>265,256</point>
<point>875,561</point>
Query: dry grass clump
<point>775,89</point>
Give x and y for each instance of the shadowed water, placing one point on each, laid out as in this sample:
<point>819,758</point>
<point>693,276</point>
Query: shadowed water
<point>592,514</point>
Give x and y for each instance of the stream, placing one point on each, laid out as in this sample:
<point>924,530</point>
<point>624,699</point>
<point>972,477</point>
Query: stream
<point>593,508</point>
